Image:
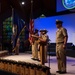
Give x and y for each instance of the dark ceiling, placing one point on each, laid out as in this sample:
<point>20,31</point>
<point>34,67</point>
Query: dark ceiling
<point>46,7</point>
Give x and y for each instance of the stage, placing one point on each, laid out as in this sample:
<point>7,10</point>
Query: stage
<point>26,57</point>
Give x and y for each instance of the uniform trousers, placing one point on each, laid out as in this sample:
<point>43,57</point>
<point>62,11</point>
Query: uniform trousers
<point>35,50</point>
<point>17,49</point>
<point>61,57</point>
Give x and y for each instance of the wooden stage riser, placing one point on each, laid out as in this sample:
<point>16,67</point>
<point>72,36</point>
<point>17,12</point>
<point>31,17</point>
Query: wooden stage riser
<point>24,69</point>
<point>3,53</point>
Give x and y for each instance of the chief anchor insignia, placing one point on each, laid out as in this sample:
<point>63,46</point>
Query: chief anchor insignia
<point>69,4</point>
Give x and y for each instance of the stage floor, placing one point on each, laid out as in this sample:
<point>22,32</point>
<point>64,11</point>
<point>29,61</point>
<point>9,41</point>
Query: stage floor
<point>53,62</point>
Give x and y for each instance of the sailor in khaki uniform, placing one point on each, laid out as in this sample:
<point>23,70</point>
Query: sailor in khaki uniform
<point>61,40</point>
<point>17,47</point>
<point>43,46</point>
<point>35,45</point>
<point>14,34</point>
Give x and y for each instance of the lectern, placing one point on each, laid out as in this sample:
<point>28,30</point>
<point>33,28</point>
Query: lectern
<point>42,52</point>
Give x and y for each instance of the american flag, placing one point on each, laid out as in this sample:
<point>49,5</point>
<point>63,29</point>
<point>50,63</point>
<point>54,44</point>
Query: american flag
<point>31,30</point>
<point>31,25</point>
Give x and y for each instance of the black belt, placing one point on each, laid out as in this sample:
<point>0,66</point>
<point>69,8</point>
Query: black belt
<point>59,42</point>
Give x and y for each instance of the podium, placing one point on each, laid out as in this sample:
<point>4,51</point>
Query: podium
<point>42,52</point>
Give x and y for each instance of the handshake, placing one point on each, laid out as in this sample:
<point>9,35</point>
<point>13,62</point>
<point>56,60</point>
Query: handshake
<point>35,36</point>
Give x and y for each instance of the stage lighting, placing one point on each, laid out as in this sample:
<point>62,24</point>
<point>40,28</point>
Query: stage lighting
<point>23,3</point>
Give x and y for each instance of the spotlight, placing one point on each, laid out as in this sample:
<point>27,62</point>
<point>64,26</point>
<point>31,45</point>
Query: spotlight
<point>23,3</point>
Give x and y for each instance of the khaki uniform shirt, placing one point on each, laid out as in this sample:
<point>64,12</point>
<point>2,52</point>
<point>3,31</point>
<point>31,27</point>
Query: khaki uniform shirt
<point>60,34</point>
<point>45,37</point>
<point>35,38</point>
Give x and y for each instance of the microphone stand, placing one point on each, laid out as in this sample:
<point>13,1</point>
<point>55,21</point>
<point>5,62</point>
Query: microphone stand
<point>49,53</point>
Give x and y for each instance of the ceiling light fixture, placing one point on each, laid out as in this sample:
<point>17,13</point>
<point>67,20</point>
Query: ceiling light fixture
<point>23,3</point>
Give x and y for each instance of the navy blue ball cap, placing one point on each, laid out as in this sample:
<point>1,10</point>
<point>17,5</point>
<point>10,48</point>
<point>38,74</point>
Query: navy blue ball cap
<point>36,30</point>
<point>59,22</point>
<point>43,30</point>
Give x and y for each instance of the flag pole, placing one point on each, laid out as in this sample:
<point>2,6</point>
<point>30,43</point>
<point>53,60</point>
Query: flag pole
<point>31,26</point>
<point>31,13</point>
<point>12,25</point>
<point>12,40</point>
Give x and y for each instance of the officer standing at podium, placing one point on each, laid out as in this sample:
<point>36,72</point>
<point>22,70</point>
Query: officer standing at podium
<point>43,46</point>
